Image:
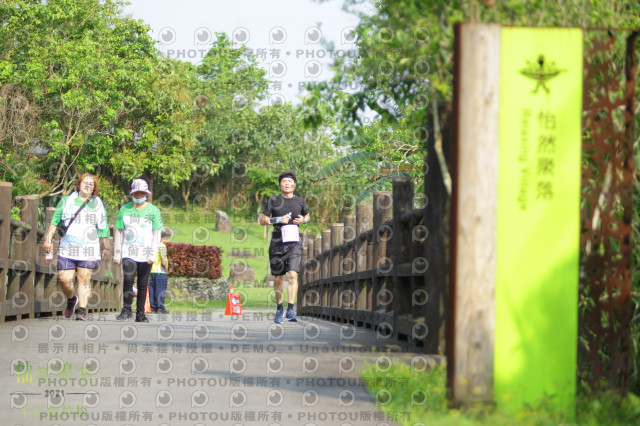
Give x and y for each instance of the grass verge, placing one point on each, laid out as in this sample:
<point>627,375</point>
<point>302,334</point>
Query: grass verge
<point>412,397</point>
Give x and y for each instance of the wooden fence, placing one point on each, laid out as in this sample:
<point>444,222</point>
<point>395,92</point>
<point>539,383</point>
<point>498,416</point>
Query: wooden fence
<point>386,267</point>
<point>31,287</point>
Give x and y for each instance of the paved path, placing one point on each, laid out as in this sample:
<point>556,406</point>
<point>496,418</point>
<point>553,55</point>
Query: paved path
<point>187,370</point>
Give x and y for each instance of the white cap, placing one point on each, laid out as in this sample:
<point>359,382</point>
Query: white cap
<point>139,185</point>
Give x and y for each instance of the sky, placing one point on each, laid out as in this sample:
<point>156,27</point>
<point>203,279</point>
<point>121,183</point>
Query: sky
<point>286,35</point>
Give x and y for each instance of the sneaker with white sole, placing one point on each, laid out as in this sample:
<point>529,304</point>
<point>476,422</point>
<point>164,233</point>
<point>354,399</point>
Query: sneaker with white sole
<point>291,316</point>
<point>71,307</point>
<point>279,316</point>
<point>81,314</point>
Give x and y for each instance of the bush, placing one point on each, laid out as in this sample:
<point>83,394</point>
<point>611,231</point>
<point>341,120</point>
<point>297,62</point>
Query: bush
<point>188,260</point>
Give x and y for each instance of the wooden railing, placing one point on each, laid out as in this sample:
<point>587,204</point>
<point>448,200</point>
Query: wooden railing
<point>31,287</point>
<point>372,270</point>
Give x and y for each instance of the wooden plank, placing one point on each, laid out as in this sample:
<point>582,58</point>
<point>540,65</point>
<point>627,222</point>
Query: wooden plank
<point>470,358</point>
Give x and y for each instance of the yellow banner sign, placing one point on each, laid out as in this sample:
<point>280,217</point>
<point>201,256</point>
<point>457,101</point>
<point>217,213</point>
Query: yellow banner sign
<point>536,290</point>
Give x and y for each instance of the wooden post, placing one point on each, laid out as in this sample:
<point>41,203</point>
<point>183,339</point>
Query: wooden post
<point>382,210</point>
<point>470,341</point>
<point>349,236</point>
<point>401,257</point>
<point>435,300</point>
<point>302,281</point>
<point>317,276</point>
<point>364,217</point>
<point>29,214</point>
<point>115,285</point>
<point>335,260</point>
<point>348,269</point>
<point>45,275</point>
<point>419,267</point>
<point>5,235</point>
<point>326,274</point>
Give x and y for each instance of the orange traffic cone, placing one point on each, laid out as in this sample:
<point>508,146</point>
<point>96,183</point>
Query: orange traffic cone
<point>147,303</point>
<point>234,307</point>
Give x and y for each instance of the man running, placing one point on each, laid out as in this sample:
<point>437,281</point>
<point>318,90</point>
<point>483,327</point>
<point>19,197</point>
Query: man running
<point>285,212</point>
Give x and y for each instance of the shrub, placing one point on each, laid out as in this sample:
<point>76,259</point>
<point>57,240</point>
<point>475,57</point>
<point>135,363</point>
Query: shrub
<point>188,260</point>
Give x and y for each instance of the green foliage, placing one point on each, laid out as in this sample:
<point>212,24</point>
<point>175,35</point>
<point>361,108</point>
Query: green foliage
<point>409,396</point>
<point>99,93</point>
<point>405,61</point>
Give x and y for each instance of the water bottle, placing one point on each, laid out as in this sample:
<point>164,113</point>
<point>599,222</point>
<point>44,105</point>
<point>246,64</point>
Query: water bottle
<point>48,257</point>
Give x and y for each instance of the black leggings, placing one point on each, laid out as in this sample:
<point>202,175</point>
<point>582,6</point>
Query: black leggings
<point>129,269</point>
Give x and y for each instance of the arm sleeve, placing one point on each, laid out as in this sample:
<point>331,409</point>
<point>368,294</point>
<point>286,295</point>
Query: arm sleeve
<point>117,244</point>
<point>57,215</point>
<point>157,224</point>
<point>267,209</point>
<point>120,220</point>
<point>102,223</point>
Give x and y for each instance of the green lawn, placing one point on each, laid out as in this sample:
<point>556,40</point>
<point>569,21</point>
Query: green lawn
<point>199,228</point>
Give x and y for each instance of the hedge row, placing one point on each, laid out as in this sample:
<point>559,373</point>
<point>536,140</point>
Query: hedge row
<point>191,261</point>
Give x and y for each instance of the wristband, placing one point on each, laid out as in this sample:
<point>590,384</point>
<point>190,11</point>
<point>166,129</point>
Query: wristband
<point>274,220</point>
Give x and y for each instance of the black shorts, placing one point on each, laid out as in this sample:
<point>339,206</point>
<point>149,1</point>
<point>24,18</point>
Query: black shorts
<point>284,257</point>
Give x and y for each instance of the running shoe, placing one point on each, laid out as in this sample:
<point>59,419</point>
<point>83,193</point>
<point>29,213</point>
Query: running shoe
<point>279,316</point>
<point>71,307</point>
<point>125,314</point>
<point>141,318</point>
<point>291,316</point>
<point>81,314</point>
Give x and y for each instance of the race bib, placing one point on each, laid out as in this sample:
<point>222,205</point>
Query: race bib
<point>290,234</point>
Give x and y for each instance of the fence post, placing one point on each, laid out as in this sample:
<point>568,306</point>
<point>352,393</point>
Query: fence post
<point>5,235</point>
<point>436,221</point>
<point>317,277</point>
<point>304,278</point>
<point>29,214</point>
<point>115,284</point>
<point>348,269</point>
<point>382,203</point>
<point>335,278</point>
<point>302,275</point>
<point>45,275</point>
<point>364,217</point>
<point>326,274</point>
<point>401,257</point>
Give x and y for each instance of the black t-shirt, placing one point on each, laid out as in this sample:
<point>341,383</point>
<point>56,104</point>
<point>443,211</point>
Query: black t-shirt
<point>277,205</point>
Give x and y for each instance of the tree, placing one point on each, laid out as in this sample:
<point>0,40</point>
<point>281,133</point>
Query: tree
<point>405,62</point>
<point>102,94</point>
<point>230,83</point>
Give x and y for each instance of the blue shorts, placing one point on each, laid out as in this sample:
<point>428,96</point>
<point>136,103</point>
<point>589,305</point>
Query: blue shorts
<point>65,264</point>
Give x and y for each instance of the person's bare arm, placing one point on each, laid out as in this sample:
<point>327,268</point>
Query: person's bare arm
<point>48,238</point>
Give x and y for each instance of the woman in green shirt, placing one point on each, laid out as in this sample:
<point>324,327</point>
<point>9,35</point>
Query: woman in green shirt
<point>80,249</point>
<point>137,234</point>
